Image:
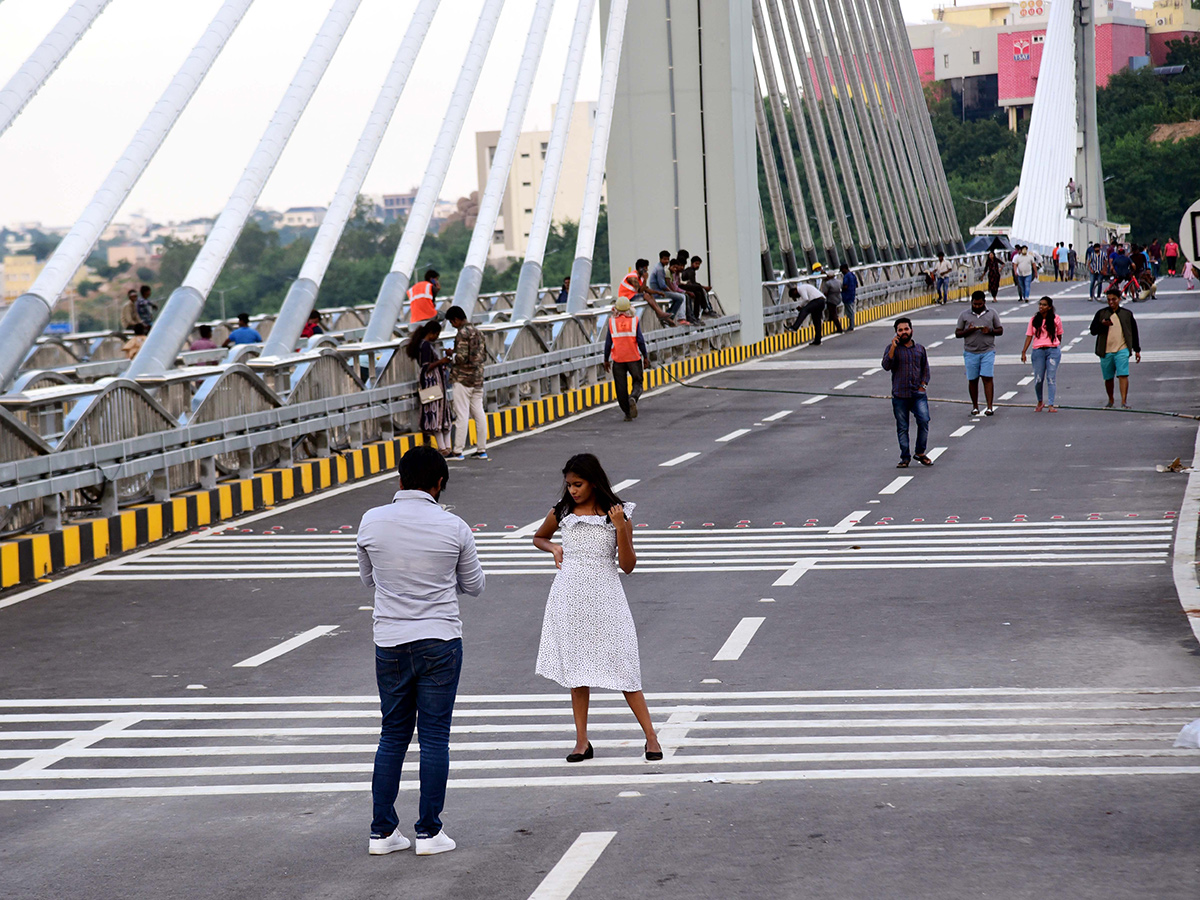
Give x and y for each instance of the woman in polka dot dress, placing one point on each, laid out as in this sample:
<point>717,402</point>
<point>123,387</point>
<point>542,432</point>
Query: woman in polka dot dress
<point>588,636</point>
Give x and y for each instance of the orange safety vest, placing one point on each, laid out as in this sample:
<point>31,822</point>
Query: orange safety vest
<point>625,289</point>
<point>624,338</point>
<point>420,302</point>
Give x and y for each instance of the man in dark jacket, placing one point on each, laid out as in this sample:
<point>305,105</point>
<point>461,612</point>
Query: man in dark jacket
<point>1114,344</point>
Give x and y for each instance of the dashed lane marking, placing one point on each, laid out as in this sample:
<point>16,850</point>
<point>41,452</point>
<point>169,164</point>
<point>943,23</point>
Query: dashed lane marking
<point>732,435</point>
<point>625,485</point>
<point>562,880</point>
<point>935,345</point>
<point>873,371</point>
<point>846,384</point>
<point>936,452</point>
<point>795,572</point>
<point>962,430</point>
<point>1028,379</point>
<point>1008,395</point>
<point>850,521</point>
<point>817,399</point>
<point>739,639</point>
<point>290,644</point>
<point>679,459</point>
<point>897,483</point>
<point>775,417</point>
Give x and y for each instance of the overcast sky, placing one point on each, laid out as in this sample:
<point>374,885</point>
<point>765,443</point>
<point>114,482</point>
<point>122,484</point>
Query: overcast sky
<point>62,145</point>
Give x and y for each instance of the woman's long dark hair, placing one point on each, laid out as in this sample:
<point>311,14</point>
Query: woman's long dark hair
<point>1044,323</point>
<point>587,467</point>
<point>413,348</point>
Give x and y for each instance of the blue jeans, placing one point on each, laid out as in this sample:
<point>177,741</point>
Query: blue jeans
<point>1045,367</point>
<point>1024,285</point>
<point>417,685</point>
<point>848,309</point>
<point>677,302</point>
<point>943,288</point>
<point>919,407</point>
<point>1096,290</point>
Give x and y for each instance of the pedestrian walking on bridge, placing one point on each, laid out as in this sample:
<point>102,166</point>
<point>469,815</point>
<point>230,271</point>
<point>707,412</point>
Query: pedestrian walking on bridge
<point>1045,333</point>
<point>417,558</point>
<point>909,364</point>
<point>979,327</point>
<point>588,636</point>
<point>1116,337</point>
<point>625,355</point>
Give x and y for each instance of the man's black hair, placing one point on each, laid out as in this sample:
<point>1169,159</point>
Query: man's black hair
<point>431,274</point>
<point>641,264</point>
<point>662,253</point>
<point>245,316</point>
<point>145,290</point>
<point>205,331</point>
<point>697,259</point>
<point>903,320</point>
<point>845,267</point>
<point>421,468</point>
<point>131,293</point>
<point>455,313</point>
<point>978,295</point>
<point>139,328</point>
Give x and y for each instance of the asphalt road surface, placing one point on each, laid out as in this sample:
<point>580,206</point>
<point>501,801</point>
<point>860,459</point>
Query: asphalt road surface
<point>961,681</point>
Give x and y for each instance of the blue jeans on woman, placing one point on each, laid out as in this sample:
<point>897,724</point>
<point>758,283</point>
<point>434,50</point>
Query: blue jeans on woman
<point>919,407</point>
<point>1045,367</point>
<point>417,685</point>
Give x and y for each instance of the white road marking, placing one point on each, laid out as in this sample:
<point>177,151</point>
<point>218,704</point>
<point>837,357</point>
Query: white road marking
<point>961,430</point>
<point>897,483</point>
<point>733,434</point>
<point>849,522</point>
<point>793,573</point>
<point>562,880</point>
<point>679,459</point>
<point>775,417</point>
<point>675,731</point>
<point>1008,395</point>
<point>624,485</point>
<point>525,530</point>
<point>1028,379</point>
<point>873,371</point>
<point>737,641</point>
<point>936,452</point>
<point>845,384</point>
<point>290,644</point>
<point>935,344</point>
<point>817,399</point>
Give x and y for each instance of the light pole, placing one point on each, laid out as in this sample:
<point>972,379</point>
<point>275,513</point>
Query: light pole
<point>222,292</point>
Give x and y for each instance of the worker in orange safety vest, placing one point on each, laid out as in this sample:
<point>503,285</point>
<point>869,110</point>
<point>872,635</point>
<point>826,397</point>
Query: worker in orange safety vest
<point>625,354</point>
<point>633,287</point>
<point>421,297</point>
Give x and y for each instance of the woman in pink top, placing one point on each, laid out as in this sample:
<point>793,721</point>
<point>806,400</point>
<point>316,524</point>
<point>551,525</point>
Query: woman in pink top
<point>1171,252</point>
<point>1045,333</point>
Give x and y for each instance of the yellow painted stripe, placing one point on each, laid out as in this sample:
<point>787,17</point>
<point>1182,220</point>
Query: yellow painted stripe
<point>287,479</point>
<point>225,502</point>
<point>128,530</point>
<point>72,555</point>
<point>342,469</point>
<point>179,515</point>
<point>268,488</point>
<point>246,489</point>
<point>389,454</point>
<point>10,564</point>
<point>306,477</point>
<point>154,522</point>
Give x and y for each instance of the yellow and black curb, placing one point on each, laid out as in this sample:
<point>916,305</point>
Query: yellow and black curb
<point>35,556</point>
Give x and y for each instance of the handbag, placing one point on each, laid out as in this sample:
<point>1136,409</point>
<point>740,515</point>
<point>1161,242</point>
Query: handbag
<point>431,394</point>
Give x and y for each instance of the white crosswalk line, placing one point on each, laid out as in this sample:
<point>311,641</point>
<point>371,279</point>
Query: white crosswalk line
<point>788,550</point>
<point>562,880</point>
<point>78,749</point>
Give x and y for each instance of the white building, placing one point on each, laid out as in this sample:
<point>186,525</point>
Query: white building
<point>303,217</point>
<point>520,195</point>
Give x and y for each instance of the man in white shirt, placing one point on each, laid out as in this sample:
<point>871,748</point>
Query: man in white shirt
<point>1024,268</point>
<point>941,276</point>
<point>418,558</point>
<point>812,305</point>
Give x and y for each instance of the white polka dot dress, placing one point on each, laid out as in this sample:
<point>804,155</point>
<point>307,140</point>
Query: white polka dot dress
<point>588,636</point>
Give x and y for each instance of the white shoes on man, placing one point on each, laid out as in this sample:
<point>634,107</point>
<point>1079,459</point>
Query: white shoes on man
<point>439,843</point>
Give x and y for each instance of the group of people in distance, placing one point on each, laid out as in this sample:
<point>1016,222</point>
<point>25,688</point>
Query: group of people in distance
<point>818,303</point>
<point>676,282</point>
<point>417,558</point>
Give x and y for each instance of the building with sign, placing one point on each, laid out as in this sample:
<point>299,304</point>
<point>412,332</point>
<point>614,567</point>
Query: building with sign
<point>989,54</point>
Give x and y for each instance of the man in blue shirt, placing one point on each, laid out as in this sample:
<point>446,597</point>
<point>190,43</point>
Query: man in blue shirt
<point>243,334</point>
<point>849,292</point>
<point>658,284</point>
<point>909,365</point>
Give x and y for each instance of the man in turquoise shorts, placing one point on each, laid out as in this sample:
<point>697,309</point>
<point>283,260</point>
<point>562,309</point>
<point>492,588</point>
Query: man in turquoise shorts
<point>978,327</point>
<point>1116,337</point>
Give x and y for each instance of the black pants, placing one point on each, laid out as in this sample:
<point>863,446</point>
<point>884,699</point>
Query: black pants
<point>814,309</point>
<point>698,298</point>
<point>619,371</point>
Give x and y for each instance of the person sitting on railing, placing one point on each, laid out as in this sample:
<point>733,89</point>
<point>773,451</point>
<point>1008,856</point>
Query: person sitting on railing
<point>698,291</point>
<point>633,287</point>
<point>205,341</point>
<point>312,326</point>
<point>675,283</point>
<point>243,334</point>
<point>658,285</point>
<point>422,297</point>
<point>129,312</point>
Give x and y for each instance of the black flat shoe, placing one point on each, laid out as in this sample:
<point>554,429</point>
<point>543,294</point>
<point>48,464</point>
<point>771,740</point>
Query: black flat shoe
<point>653,757</point>
<point>580,757</point>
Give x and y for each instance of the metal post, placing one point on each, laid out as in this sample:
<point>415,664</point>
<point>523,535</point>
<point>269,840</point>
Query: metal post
<point>30,312</point>
<point>390,300</point>
<point>1089,173</point>
<point>785,144</point>
<point>186,302</point>
<point>768,264</point>
<point>585,243</point>
<point>467,289</point>
<point>774,190</point>
<point>530,278</point>
<point>302,295</point>
<point>42,62</point>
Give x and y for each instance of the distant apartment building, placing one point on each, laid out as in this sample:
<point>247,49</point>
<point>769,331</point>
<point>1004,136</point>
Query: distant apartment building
<point>22,269</point>
<point>392,207</point>
<point>132,252</point>
<point>303,217</point>
<point>520,194</point>
<point>989,54</point>
<point>183,231</point>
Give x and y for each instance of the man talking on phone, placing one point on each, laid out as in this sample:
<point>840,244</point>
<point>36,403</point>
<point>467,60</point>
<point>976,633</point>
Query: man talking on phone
<point>909,365</point>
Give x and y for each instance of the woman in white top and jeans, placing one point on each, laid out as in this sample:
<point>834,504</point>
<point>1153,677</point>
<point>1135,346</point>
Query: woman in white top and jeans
<point>1045,333</point>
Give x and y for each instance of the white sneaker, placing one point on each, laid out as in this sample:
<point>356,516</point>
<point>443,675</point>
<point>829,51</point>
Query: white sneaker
<point>439,843</point>
<point>390,844</point>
